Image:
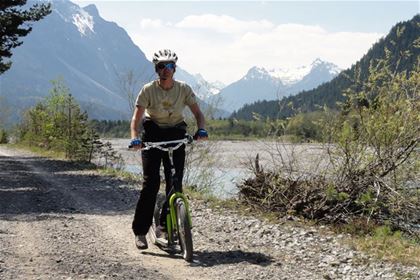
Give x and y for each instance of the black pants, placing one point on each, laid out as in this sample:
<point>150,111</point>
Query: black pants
<point>151,160</point>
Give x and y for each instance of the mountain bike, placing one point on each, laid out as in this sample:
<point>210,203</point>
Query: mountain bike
<point>178,218</point>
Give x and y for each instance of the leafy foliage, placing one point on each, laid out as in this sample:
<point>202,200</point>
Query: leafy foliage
<point>372,146</point>
<point>376,138</point>
<point>15,23</point>
<point>3,136</point>
<point>111,129</point>
<point>237,129</point>
<point>306,127</point>
<point>60,125</point>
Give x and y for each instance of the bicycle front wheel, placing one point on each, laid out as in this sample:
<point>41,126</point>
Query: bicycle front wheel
<point>184,230</point>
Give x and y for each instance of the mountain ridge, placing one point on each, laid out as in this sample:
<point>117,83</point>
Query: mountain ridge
<point>402,39</point>
<point>260,83</point>
<point>91,55</point>
<point>85,50</point>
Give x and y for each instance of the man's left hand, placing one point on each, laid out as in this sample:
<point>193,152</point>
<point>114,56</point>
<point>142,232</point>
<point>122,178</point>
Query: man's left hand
<point>201,134</point>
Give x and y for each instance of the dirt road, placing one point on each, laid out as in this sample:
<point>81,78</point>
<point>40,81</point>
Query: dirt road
<point>63,221</point>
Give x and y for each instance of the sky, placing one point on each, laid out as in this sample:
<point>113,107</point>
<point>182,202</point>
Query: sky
<point>222,40</point>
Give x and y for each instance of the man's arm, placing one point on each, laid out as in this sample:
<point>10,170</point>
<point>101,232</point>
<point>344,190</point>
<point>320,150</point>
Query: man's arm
<point>195,110</point>
<point>135,121</point>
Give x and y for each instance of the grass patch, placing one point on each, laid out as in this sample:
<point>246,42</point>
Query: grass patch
<point>200,194</point>
<point>125,175</point>
<point>39,151</point>
<point>385,244</point>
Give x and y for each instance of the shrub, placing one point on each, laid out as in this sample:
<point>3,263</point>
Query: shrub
<point>3,136</point>
<point>372,147</point>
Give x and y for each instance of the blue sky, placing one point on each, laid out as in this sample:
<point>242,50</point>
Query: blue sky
<point>223,39</point>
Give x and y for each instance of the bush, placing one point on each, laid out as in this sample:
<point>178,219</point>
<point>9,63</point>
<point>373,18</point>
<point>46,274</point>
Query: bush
<point>3,136</point>
<point>306,126</point>
<point>373,153</point>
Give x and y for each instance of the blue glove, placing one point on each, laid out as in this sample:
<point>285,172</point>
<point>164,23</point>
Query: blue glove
<point>135,142</point>
<point>202,133</point>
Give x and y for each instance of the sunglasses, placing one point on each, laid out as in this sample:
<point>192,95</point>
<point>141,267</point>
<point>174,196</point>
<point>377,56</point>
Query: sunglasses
<point>169,65</point>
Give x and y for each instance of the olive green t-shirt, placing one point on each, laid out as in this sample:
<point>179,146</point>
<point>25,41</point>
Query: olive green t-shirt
<point>165,107</point>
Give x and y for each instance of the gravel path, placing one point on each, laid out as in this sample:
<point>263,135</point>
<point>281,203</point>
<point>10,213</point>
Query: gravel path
<point>61,221</point>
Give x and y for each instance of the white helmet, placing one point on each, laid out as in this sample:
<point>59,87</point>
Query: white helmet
<point>165,56</point>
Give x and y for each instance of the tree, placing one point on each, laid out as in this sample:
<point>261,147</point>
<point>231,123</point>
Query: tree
<point>15,22</point>
<point>129,85</point>
<point>58,124</point>
<point>5,112</point>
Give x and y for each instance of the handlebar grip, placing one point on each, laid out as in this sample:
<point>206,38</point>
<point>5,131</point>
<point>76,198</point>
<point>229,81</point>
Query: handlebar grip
<point>190,138</point>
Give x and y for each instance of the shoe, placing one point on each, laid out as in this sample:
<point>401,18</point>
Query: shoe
<point>141,242</point>
<point>161,232</point>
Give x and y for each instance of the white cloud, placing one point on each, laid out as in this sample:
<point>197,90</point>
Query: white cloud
<point>151,23</point>
<point>224,48</point>
<point>222,24</point>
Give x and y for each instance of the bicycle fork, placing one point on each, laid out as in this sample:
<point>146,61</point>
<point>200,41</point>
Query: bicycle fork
<point>171,223</point>
<point>171,219</point>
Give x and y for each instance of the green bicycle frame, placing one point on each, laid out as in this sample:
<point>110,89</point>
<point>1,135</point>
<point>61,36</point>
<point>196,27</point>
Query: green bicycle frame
<point>171,217</point>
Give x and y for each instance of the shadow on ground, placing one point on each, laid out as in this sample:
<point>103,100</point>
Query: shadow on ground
<point>35,185</point>
<point>213,258</point>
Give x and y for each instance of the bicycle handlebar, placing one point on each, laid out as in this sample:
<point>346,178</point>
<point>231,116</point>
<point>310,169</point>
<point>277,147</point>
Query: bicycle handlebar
<point>163,144</point>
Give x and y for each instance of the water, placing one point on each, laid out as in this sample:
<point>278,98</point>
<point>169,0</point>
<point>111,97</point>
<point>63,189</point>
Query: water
<point>223,183</point>
<point>225,163</point>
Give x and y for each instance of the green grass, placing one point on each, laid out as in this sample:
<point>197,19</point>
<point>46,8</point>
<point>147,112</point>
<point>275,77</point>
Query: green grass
<point>385,244</point>
<point>39,151</point>
<point>381,242</point>
<point>125,175</point>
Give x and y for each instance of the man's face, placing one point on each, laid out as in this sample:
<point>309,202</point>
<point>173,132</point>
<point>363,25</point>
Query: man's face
<point>165,70</point>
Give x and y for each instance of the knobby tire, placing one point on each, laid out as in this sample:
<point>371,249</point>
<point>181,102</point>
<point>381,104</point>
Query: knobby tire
<point>184,230</point>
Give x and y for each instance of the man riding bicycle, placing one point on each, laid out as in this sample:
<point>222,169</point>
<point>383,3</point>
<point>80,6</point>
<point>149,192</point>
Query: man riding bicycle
<point>159,107</point>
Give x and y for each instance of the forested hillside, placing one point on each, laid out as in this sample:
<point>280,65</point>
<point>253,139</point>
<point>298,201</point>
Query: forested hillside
<point>401,46</point>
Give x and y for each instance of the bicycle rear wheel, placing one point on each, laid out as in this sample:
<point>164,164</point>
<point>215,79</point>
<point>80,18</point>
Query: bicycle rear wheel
<point>156,216</point>
<point>184,230</point>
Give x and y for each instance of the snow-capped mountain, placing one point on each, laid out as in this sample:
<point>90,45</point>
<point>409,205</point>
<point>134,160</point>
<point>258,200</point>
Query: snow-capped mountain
<point>201,87</point>
<point>262,84</point>
<point>207,89</point>
<point>92,56</point>
<point>290,76</point>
